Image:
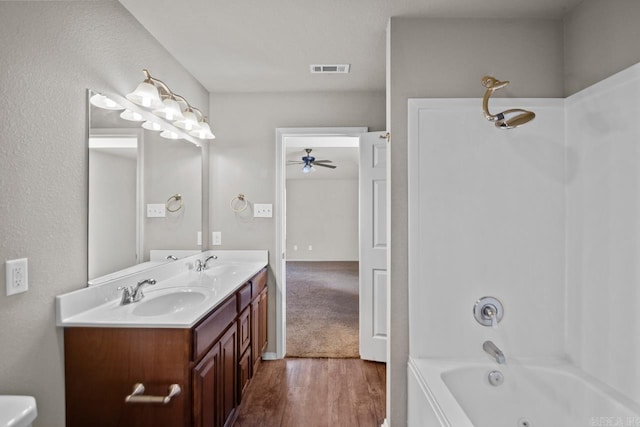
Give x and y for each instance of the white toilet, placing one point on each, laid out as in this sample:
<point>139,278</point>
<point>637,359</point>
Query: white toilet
<point>17,411</point>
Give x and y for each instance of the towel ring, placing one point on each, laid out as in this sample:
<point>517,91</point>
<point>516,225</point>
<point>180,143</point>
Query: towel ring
<point>176,199</point>
<point>239,203</point>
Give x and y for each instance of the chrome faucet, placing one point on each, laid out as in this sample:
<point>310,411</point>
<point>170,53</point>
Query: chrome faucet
<point>203,265</point>
<point>131,295</point>
<point>490,348</point>
<point>173,257</point>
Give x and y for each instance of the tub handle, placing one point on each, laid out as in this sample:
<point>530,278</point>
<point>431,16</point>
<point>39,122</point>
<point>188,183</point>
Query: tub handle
<point>137,395</point>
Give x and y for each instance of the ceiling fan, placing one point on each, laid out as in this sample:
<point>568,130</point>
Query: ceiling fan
<point>309,162</point>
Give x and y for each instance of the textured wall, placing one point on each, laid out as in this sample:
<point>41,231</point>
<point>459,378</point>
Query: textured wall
<point>243,155</point>
<point>432,58</point>
<point>51,53</point>
<point>322,213</point>
<point>601,38</point>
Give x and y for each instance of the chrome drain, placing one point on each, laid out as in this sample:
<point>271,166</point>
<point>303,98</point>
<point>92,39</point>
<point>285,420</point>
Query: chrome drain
<point>496,378</point>
<point>524,422</point>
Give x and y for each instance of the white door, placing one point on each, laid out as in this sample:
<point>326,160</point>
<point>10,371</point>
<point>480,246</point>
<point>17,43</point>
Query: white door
<point>373,246</point>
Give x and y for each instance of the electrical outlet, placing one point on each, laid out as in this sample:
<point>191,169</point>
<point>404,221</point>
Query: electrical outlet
<point>310,247</point>
<point>216,238</point>
<point>17,275</point>
<point>156,210</point>
<point>263,210</point>
<point>199,238</point>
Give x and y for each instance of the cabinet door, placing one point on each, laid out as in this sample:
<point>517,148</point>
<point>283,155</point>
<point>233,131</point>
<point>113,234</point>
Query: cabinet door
<point>263,322</point>
<point>259,314</point>
<point>229,376</point>
<point>255,332</point>
<point>244,373</point>
<point>206,390</point>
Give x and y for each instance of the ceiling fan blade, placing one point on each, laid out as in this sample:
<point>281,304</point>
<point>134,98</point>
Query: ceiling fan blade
<point>323,161</point>
<point>325,166</point>
<point>291,162</point>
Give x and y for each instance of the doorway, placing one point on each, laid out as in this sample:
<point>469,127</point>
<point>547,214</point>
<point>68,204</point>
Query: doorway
<point>298,139</point>
<point>322,249</point>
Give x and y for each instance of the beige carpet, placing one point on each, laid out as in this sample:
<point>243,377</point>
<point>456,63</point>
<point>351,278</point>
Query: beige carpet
<point>322,309</point>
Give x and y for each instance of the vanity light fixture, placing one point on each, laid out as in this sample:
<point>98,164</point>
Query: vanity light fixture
<point>152,126</point>
<point>156,95</point>
<point>132,116</point>
<point>169,134</point>
<point>146,94</point>
<point>104,102</point>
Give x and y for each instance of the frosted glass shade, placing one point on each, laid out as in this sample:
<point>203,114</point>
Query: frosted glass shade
<point>189,121</point>
<point>146,95</point>
<point>170,110</point>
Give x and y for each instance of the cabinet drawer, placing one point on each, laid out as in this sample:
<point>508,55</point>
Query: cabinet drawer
<point>259,282</point>
<point>213,326</point>
<point>244,297</point>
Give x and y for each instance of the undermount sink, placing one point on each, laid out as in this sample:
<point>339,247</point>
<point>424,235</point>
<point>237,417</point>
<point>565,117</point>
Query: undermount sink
<point>173,301</point>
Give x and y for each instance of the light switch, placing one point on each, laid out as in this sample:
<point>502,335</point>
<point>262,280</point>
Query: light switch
<point>216,238</point>
<point>263,210</point>
<point>156,210</point>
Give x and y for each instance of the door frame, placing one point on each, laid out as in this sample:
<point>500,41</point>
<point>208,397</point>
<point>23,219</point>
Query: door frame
<point>280,217</point>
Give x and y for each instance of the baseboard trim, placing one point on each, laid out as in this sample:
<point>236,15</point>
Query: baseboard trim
<point>269,356</point>
<point>385,423</point>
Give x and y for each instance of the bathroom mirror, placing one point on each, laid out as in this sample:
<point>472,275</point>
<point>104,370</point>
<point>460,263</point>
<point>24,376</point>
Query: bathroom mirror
<point>145,196</point>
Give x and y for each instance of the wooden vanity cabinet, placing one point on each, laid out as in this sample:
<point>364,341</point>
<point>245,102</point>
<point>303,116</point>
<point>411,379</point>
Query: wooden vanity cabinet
<point>211,362</point>
<point>259,315</point>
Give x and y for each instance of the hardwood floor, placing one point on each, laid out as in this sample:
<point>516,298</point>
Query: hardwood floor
<point>315,393</point>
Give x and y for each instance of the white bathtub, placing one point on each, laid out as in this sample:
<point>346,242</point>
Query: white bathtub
<point>554,394</point>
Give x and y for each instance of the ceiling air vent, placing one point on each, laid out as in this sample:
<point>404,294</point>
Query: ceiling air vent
<point>330,68</point>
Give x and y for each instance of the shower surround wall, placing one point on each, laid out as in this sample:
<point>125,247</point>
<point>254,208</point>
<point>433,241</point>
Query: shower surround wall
<point>545,217</point>
<point>603,229</point>
<point>487,218</point>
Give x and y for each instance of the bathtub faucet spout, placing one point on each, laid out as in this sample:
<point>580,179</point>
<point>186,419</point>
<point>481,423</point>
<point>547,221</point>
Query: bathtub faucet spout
<point>494,351</point>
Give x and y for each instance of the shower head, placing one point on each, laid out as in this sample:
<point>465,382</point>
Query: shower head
<point>508,119</point>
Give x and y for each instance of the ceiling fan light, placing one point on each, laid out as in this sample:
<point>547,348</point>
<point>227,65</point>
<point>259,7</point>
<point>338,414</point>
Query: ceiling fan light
<point>146,94</point>
<point>132,116</point>
<point>170,110</point>
<point>306,168</point>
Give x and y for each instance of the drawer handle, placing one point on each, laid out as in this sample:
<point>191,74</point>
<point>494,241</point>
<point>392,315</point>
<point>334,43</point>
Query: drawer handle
<point>137,397</point>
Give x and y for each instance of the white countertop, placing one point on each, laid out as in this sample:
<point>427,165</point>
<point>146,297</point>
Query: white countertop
<point>185,295</point>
